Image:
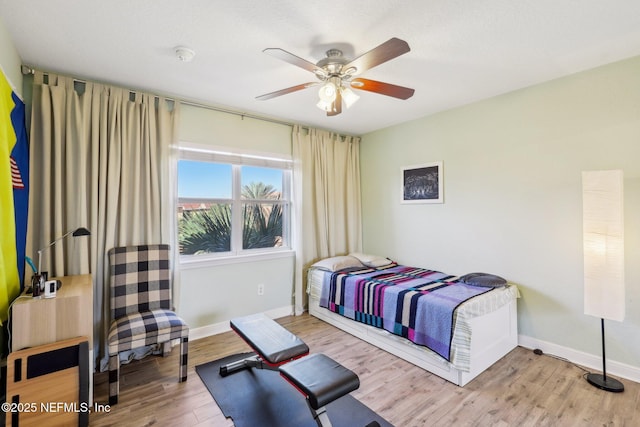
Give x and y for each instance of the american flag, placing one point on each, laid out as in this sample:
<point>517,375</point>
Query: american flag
<point>16,177</point>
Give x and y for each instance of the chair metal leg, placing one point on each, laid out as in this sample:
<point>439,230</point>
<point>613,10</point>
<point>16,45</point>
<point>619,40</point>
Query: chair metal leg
<point>114,378</point>
<point>184,355</point>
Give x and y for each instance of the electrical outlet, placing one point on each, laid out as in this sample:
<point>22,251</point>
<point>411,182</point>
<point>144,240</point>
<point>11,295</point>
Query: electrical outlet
<point>260,288</point>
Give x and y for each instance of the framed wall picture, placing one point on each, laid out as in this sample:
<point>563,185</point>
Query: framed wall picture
<point>422,183</point>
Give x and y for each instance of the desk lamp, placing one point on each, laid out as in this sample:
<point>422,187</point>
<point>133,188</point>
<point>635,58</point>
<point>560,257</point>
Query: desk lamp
<point>75,233</point>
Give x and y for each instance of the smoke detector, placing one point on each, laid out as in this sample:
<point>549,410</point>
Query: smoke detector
<point>184,54</point>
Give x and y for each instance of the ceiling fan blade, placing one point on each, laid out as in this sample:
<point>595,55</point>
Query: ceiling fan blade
<point>382,88</point>
<point>293,59</point>
<point>286,91</point>
<point>336,106</point>
<point>388,50</point>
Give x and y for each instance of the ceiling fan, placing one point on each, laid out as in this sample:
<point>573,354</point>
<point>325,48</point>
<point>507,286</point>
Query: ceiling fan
<point>337,75</point>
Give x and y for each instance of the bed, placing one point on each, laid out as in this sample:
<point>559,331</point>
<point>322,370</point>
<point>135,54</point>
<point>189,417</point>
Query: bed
<point>482,323</point>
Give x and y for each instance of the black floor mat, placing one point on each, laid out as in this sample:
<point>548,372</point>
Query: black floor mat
<point>255,397</point>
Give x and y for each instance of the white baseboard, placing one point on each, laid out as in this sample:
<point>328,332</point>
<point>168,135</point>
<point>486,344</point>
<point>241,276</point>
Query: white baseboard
<point>218,328</point>
<point>580,358</point>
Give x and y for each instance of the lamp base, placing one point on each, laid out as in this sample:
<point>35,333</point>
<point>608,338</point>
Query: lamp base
<point>608,383</point>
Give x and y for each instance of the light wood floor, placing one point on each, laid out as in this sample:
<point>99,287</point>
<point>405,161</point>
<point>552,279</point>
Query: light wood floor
<point>522,389</point>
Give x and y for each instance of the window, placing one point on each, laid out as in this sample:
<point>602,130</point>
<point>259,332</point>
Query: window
<point>232,204</point>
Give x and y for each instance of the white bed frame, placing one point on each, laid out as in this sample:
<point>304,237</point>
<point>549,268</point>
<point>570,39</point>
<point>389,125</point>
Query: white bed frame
<point>493,335</point>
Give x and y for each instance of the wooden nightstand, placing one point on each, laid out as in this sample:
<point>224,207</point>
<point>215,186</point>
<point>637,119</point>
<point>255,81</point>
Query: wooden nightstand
<point>38,321</point>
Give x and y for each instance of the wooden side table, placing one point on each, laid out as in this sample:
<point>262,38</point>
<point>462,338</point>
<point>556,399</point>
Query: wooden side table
<point>38,321</point>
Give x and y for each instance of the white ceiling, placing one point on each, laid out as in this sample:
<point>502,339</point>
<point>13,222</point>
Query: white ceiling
<point>461,50</point>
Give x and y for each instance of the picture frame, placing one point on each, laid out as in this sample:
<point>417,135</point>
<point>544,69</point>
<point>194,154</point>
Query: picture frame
<point>422,183</point>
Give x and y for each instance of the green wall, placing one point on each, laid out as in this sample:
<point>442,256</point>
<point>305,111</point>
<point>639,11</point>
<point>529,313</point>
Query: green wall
<point>210,127</point>
<point>10,60</point>
<point>512,198</point>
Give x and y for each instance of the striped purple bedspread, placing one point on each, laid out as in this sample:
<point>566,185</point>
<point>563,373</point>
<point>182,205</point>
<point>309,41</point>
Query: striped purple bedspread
<point>414,303</point>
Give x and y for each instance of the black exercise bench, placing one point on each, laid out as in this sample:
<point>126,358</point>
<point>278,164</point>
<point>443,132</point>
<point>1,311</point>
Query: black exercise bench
<point>273,344</point>
<point>318,377</point>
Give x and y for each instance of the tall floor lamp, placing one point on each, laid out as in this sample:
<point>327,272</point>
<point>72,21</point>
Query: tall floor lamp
<point>603,240</point>
<point>75,233</point>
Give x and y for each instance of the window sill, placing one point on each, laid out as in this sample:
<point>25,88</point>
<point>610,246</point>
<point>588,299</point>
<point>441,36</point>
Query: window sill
<point>194,262</point>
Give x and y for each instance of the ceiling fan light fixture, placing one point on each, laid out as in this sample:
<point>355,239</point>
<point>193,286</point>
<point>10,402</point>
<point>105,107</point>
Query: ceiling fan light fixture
<point>348,96</point>
<point>327,92</point>
<point>324,105</point>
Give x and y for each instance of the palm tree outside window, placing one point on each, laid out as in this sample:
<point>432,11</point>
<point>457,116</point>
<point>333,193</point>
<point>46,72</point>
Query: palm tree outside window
<point>227,209</point>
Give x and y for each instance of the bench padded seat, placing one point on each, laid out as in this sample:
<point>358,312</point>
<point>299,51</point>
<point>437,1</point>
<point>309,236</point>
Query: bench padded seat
<point>320,378</point>
<point>269,339</point>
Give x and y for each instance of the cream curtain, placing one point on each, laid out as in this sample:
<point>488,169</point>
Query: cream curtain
<point>327,200</point>
<point>99,159</point>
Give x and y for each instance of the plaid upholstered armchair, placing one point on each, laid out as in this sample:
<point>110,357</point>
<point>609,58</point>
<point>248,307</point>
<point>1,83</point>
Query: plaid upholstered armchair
<point>141,307</point>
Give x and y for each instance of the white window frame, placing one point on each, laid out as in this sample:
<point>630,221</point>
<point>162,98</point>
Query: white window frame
<point>238,158</point>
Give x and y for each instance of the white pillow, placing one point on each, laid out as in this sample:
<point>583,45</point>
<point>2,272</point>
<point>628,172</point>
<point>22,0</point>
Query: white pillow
<point>337,263</point>
<point>371,260</point>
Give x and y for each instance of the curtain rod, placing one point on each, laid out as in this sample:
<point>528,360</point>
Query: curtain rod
<point>237,113</point>
<point>26,70</point>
